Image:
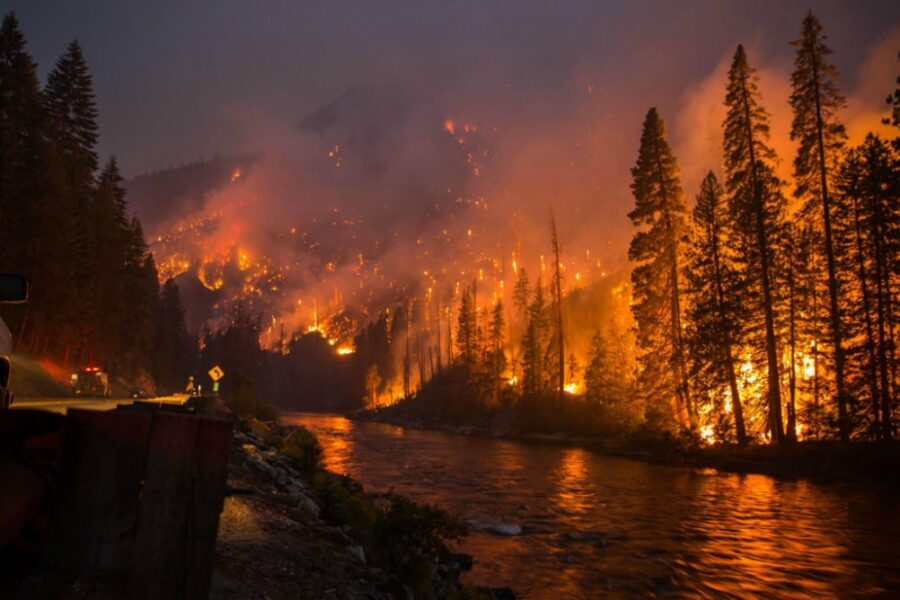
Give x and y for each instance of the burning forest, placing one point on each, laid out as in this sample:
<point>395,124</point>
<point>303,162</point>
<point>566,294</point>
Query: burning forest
<point>377,214</point>
<point>493,249</point>
<point>270,264</point>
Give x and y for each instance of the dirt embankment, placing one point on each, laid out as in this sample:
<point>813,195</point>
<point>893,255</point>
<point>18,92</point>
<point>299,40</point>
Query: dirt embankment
<point>271,543</point>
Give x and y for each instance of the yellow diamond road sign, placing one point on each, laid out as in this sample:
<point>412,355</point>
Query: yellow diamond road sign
<point>216,373</point>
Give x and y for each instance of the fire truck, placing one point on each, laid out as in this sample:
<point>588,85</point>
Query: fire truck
<point>90,381</point>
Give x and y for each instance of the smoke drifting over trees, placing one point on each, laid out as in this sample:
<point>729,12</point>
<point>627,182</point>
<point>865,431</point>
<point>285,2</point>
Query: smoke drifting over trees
<point>392,227</point>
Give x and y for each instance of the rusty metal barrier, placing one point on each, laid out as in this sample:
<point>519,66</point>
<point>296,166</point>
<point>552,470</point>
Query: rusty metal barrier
<point>140,493</point>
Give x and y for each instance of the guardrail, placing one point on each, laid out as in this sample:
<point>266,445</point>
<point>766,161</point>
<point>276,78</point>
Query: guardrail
<point>140,493</point>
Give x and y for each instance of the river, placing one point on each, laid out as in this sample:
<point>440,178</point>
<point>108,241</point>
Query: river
<point>562,522</point>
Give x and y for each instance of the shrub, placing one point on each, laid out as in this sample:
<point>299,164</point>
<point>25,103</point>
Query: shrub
<point>302,450</point>
<point>409,538</point>
<point>344,502</point>
<point>399,535</point>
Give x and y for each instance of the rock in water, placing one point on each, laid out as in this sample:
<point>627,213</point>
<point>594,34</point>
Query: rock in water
<point>359,553</point>
<point>506,529</point>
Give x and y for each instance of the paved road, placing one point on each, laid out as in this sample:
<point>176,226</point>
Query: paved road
<point>61,405</point>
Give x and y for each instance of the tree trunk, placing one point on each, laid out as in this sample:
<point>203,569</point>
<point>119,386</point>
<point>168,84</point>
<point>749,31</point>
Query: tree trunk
<point>559,317</point>
<point>882,306</point>
<point>736,407</point>
<point>867,311</point>
<point>792,378</point>
<point>774,392</point>
<point>833,292</point>
<point>682,389</point>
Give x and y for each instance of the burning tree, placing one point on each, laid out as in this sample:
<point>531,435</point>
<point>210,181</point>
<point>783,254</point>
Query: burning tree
<point>816,101</point>
<point>756,208</point>
<point>657,249</point>
<point>715,313</point>
<point>869,184</point>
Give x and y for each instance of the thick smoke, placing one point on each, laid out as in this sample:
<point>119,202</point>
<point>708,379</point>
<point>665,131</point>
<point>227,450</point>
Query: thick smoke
<point>392,191</point>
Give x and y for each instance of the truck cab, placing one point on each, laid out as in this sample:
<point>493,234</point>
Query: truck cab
<point>13,290</point>
<point>90,381</point>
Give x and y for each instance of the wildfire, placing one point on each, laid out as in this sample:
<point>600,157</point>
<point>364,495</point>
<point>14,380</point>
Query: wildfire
<point>321,269</point>
<point>708,434</point>
<point>749,373</point>
<point>243,260</point>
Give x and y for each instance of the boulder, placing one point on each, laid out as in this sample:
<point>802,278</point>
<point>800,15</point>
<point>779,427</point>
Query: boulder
<point>306,505</point>
<point>359,553</point>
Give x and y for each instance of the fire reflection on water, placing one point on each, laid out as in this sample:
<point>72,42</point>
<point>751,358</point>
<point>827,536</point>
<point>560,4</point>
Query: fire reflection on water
<point>594,525</point>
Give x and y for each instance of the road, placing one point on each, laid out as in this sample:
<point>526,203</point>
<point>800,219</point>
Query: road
<point>61,405</point>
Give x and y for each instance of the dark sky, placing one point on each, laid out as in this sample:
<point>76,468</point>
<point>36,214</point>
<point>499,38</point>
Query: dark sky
<point>177,81</point>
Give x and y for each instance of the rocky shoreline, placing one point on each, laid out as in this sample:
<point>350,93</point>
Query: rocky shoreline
<point>274,542</point>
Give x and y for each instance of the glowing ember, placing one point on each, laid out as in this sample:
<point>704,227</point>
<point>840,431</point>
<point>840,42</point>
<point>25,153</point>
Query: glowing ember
<point>243,260</point>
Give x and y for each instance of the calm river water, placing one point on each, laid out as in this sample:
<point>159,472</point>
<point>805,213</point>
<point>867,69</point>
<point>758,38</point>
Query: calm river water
<point>556,522</point>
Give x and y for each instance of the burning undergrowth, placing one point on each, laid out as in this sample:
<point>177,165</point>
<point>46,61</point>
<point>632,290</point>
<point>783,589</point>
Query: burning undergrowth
<point>369,203</point>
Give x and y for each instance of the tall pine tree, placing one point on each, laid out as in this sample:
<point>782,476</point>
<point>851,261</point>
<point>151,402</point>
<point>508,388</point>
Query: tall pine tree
<point>534,344</point>
<point>72,123</point>
<point>657,250</point>
<point>816,101</point>
<point>715,311</point>
<point>21,147</point>
<point>23,175</point>
<point>869,180</point>
<point>756,208</point>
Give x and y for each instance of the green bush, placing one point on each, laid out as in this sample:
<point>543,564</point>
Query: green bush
<point>398,535</point>
<point>344,502</point>
<point>409,538</point>
<point>302,450</point>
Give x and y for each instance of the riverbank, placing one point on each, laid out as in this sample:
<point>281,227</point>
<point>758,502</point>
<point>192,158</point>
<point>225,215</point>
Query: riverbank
<point>872,463</point>
<point>293,530</point>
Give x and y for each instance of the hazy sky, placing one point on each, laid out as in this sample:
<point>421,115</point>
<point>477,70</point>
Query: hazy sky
<point>177,81</point>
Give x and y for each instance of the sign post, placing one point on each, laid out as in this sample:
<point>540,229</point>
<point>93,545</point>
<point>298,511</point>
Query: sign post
<point>216,373</point>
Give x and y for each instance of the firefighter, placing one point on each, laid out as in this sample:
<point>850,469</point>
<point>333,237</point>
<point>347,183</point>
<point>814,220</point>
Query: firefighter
<point>191,388</point>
